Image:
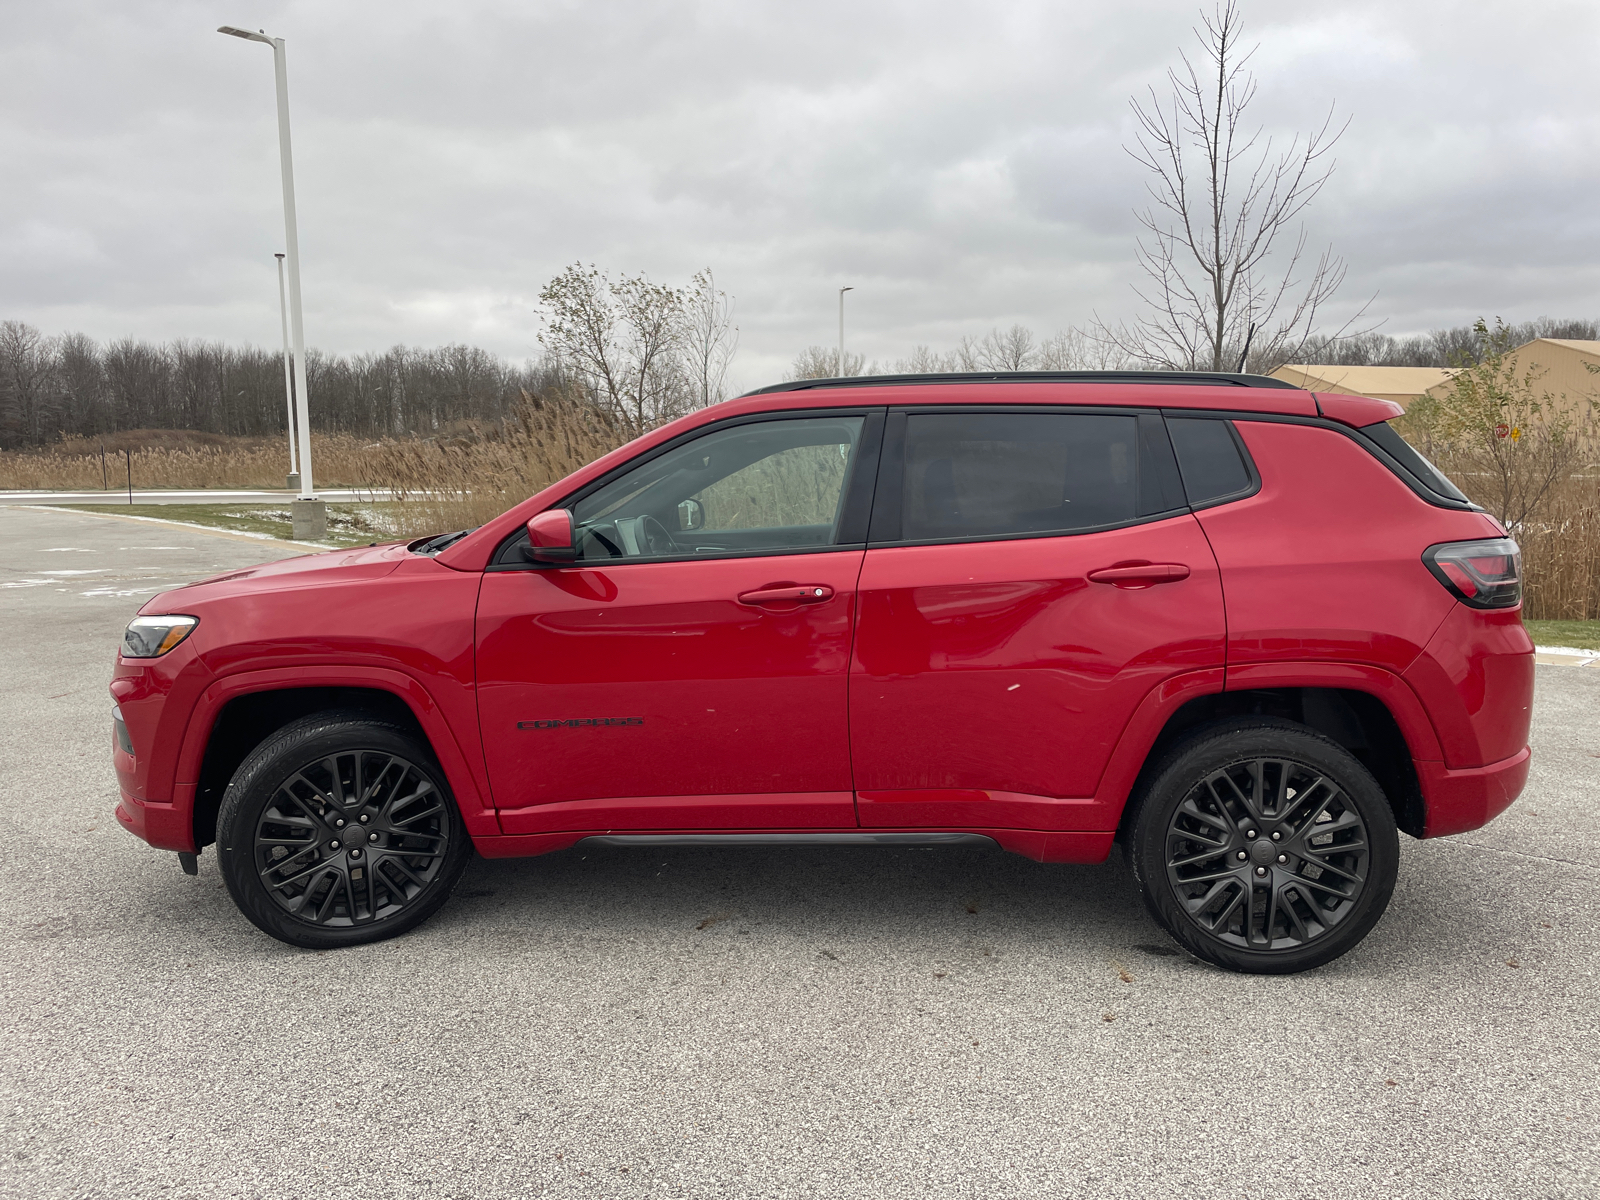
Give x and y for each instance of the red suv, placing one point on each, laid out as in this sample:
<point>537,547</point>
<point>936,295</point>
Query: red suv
<point>1243,629</point>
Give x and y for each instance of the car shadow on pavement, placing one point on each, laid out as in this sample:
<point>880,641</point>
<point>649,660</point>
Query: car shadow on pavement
<point>865,893</point>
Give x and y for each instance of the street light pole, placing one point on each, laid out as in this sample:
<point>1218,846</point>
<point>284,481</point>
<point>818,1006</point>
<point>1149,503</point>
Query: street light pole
<point>311,516</point>
<point>288,377</point>
<point>842,291</point>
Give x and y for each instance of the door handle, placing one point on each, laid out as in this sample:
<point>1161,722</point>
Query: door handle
<point>1141,575</point>
<point>810,593</point>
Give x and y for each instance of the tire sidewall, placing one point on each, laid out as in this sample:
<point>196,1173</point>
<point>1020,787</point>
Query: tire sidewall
<point>297,745</point>
<point>1223,746</point>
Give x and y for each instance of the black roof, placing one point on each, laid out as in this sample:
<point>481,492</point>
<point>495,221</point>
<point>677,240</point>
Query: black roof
<point>1223,378</point>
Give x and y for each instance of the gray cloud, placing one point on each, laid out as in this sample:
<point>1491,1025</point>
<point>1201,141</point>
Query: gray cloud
<point>959,164</point>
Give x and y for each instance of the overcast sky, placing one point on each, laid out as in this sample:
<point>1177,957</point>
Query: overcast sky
<point>959,164</point>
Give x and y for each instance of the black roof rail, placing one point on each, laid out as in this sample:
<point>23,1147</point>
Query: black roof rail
<point>1225,378</point>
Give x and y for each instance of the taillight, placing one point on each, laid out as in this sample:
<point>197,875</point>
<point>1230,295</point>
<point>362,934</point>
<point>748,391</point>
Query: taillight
<point>1484,574</point>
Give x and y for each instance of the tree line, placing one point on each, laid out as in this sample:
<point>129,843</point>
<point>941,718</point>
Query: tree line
<point>1020,349</point>
<point>73,386</point>
<point>640,352</point>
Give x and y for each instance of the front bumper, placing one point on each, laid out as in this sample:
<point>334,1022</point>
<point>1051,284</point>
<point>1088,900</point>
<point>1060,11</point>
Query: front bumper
<point>1471,797</point>
<point>164,826</point>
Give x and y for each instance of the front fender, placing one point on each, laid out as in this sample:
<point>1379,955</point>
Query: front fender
<point>463,767</point>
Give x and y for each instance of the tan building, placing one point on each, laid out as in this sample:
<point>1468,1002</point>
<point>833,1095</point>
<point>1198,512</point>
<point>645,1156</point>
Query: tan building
<point>1559,366</point>
<point>1400,384</point>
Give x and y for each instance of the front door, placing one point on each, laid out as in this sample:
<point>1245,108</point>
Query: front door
<point>1044,575</point>
<point>689,671</point>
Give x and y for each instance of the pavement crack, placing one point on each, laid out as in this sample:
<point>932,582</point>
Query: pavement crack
<point>1570,862</point>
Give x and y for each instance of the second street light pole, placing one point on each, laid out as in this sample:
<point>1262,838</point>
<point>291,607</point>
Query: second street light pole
<point>310,515</point>
<point>288,379</point>
<point>842,291</point>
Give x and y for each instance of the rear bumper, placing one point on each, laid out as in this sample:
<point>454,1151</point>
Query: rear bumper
<point>1471,797</point>
<point>164,826</point>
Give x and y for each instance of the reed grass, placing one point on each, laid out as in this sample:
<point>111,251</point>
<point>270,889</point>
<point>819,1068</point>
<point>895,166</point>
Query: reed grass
<point>177,459</point>
<point>1561,553</point>
<point>463,481</point>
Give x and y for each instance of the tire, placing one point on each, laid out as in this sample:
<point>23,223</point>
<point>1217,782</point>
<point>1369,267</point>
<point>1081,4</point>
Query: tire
<point>1263,847</point>
<point>284,826</point>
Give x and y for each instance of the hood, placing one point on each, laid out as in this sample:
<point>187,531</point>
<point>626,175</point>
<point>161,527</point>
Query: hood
<point>305,570</point>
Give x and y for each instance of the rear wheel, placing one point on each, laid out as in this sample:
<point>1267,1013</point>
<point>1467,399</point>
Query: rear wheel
<point>1264,847</point>
<point>340,829</point>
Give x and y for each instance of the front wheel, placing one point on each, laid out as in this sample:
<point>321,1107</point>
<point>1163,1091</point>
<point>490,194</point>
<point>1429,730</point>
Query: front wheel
<point>1264,847</point>
<point>340,829</point>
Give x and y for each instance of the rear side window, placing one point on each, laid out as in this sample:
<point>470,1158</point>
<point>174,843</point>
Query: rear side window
<point>999,474</point>
<point>1408,457</point>
<point>1210,459</point>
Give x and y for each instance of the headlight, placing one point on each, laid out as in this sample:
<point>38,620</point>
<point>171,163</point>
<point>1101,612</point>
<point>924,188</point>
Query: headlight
<point>151,637</point>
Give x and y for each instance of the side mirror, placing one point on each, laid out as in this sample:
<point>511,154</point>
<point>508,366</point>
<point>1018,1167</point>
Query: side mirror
<point>550,537</point>
<point>691,515</point>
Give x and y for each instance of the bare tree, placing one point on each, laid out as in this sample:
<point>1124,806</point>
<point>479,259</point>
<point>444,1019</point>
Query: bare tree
<point>623,340</point>
<point>1013,350</point>
<point>1224,215</point>
<point>710,338</point>
<point>24,369</point>
<point>822,362</point>
<point>923,361</point>
<point>1074,349</point>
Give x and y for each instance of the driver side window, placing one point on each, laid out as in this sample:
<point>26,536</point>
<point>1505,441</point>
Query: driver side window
<point>763,486</point>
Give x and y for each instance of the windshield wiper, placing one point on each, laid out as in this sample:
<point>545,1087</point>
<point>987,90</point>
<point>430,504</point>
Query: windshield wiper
<point>435,544</point>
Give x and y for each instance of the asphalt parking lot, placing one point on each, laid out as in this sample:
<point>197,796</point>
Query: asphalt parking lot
<point>753,1023</point>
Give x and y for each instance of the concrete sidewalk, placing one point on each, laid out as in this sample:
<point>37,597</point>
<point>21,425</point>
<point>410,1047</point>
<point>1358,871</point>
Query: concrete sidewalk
<point>192,496</point>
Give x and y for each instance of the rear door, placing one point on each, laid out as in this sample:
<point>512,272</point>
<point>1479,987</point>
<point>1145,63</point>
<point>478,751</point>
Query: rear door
<point>1031,575</point>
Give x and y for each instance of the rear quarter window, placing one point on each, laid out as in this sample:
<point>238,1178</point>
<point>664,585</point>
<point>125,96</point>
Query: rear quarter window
<point>1210,459</point>
<point>1435,480</point>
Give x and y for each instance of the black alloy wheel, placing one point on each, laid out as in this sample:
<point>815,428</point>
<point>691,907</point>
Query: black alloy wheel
<point>1264,847</point>
<point>340,829</point>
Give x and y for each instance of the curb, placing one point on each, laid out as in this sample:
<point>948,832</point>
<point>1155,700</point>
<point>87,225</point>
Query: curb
<point>233,534</point>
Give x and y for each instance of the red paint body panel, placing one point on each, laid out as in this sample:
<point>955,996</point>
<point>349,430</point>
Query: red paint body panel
<point>1357,411</point>
<point>1476,678</point>
<point>1460,801</point>
<point>1143,728</point>
<point>164,826</point>
<point>987,686</point>
<point>156,696</point>
<point>634,814</point>
<point>378,618</point>
<point>1325,562</point>
<point>713,698</point>
<point>1408,711</point>
<point>995,673</point>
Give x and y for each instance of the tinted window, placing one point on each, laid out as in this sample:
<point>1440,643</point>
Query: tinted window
<point>1209,458</point>
<point>992,474</point>
<point>1409,458</point>
<point>768,485</point>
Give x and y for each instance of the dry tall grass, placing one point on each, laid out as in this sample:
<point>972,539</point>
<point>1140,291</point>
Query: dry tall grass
<point>179,459</point>
<point>464,481</point>
<point>1561,553</point>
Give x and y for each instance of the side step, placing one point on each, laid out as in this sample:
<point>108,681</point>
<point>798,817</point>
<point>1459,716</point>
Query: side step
<point>861,837</point>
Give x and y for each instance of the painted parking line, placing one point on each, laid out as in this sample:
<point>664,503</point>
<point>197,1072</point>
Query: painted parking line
<point>1565,656</point>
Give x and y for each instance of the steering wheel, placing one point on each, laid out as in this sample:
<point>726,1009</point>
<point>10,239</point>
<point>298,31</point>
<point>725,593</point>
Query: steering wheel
<point>653,537</point>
